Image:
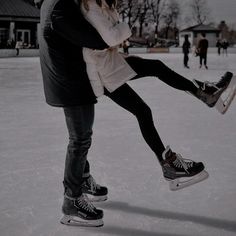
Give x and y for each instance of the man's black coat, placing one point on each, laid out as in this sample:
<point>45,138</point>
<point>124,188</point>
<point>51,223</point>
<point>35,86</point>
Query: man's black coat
<point>64,32</point>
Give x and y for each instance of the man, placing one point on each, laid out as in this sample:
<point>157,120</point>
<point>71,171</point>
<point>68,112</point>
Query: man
<point>64,32</point>
<point>202,49</point>
<point>186,46</point>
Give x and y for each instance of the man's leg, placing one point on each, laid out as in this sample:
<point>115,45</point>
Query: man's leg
<point>200,60</point>
<point>186,59</point>
<point>79,122</point>
<point>76,207</point>
<point>94,191</point>
<point>205,61</point>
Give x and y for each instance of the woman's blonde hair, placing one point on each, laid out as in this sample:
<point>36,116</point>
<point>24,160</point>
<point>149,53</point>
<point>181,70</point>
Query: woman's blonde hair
<point>111,3</point>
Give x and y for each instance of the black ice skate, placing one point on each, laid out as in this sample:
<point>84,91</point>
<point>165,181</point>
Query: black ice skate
<point>181,172</point>
<point>94,191</point>
<point>80,212</point>
<point>218,95</point>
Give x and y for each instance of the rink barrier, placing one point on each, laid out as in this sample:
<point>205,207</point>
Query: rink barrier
<point>35,52</point>
<point>23,53</point>
<point>171,50</point>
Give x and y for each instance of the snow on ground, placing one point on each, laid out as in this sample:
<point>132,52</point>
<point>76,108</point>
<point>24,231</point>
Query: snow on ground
<point>33,141</point>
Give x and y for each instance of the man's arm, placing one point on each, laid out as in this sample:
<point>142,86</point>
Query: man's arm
<point>76,29</point>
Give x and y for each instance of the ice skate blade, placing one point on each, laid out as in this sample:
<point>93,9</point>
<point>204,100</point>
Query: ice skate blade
<point>93,198</point>
<point>77,221</point>
<point>227,97</point>
<point>184,182</point>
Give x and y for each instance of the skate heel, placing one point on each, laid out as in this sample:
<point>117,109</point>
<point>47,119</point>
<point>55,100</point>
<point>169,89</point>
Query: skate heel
<point>183,182</point>
<point>77,221</point>
<point>227,97</point>
<point>66,220</point>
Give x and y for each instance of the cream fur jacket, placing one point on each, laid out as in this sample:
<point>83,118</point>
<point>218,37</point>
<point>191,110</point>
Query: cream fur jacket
<point>106,68</point>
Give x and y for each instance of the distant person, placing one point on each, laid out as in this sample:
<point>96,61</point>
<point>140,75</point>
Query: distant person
<point>126,45</point>
<point>18,46</point>
<point>202,50</point>
<point>186,46</point>
<point>225,46</point>
<point>219,46</point>
<point>9,43</point>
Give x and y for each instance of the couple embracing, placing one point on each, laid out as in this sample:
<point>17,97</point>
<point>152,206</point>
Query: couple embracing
<point>80,62</point>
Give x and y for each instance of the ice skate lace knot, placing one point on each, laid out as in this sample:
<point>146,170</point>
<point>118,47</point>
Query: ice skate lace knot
<point>205,84</point>
<point>180,162</point>
<point>94,186</point>
<point>84,203</point>
<point>210,84</point>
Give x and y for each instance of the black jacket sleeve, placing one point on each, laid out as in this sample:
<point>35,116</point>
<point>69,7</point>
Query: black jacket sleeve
<point>72,26</point>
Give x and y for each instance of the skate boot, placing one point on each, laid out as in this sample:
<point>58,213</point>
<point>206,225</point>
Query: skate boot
<point>212,93</point>
<point>80,212</point>
<point>181,172</point>
<point>94,191</point>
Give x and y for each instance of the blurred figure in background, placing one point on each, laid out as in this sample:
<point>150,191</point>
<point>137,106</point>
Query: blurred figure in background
<point>186,46</point>
<point>202,50</point>
<point>18,46</point>
<point>225,46</point>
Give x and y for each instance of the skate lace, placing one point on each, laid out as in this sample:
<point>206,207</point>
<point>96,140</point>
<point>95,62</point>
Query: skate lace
<point>180,162</point>
<point>84,203</point>
<point>210,84</point>
<point>205,84</point>
<point>93,185</point>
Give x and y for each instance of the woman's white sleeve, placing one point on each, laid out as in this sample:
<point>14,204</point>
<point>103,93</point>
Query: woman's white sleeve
<point>112,34</point>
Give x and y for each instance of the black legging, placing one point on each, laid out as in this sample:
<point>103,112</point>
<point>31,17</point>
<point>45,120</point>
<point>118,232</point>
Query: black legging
<point>127,98</point>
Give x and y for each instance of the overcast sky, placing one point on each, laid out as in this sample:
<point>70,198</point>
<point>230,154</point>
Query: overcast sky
<point>221,10</point>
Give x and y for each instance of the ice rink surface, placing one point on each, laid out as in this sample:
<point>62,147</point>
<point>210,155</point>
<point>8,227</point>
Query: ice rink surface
<point>33,141</point>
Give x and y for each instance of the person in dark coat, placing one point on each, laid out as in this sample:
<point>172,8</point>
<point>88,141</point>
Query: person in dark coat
<point>186,46</point>
<point>64,32</point>
<point>225,46</point>
<point>202,49</point>
<point>219,46</point>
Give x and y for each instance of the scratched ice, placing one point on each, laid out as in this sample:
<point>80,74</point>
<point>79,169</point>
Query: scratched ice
<point>33,141</point>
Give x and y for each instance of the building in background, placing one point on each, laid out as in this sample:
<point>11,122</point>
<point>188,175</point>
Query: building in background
<point>194,33</point>
<point>19,21</point>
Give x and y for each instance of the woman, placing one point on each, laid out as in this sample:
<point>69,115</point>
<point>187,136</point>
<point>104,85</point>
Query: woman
<point>106,68</point>
<point>101,14</point>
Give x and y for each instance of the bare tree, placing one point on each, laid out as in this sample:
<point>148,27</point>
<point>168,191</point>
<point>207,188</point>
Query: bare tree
<point>199,11</point>
<point>170,16</point>
<point>142,15</point>
<point>129,10</point>
<point>156,8</point>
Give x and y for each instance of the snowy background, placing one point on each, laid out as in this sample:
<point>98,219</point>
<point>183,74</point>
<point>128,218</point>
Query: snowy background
<point>33,140</point>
